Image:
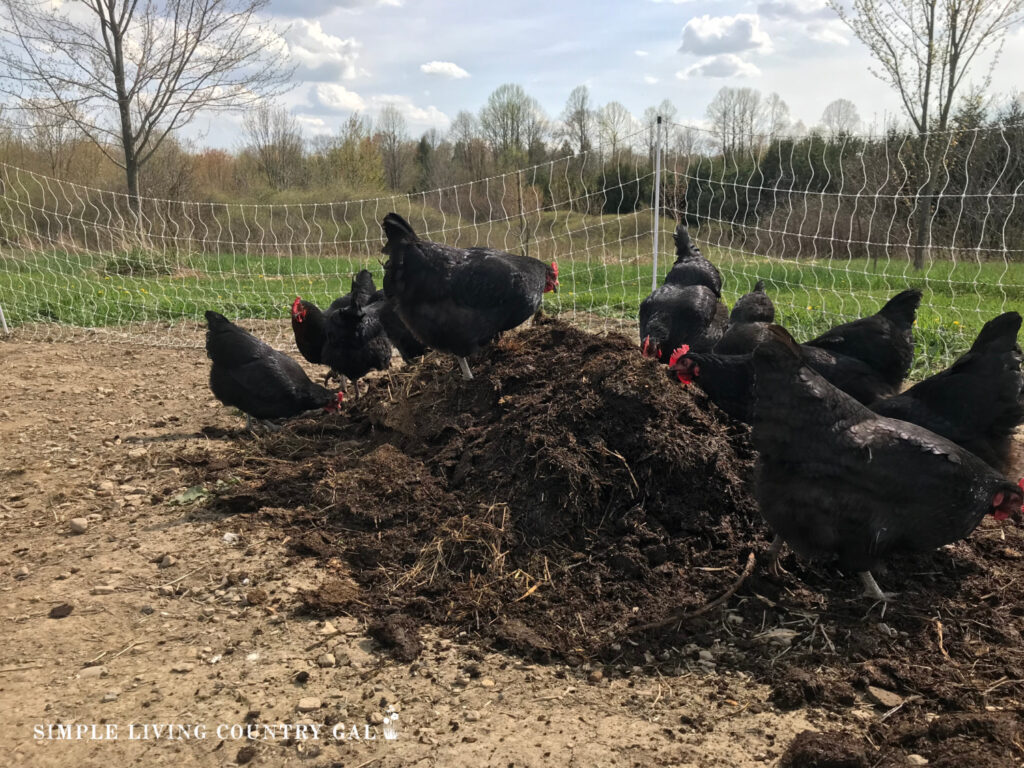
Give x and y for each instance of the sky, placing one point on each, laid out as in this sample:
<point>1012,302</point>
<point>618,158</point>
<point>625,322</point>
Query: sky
<point>432,58</point>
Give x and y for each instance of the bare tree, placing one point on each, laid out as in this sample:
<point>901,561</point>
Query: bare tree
<point>276,142</point>
<point>668,113</point>
<point>128,73</point>
<point>392,136</point>
<point>53,134</point>
<point>776,116</point>
<point>925,49</point>
<point>578,119</point>
<point>511,121</point>
<point>469,151</point>
<point>736,116</point>
<point>840,117</point>
<point>614,123</point>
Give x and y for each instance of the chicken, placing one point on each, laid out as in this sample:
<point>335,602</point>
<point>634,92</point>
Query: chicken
<point>308,326</point>
<point>836,480</point>
<point>691,267</point>
<point>748,322</point>
<point>257,379</point>
<point>674,315</point>
<point>355,341</point>
<point>728,379</point>
<point>884,340</point>
<point>457,300</point>
<point>976,402</point>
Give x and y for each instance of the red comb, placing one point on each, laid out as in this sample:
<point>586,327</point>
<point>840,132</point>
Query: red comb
<point>296,305</point>
<point>554,268</point>
<point>683,350</point>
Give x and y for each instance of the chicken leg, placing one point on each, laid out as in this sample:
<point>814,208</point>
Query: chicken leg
<point>772,557</point>
<point>871,588</point>
<point>466,373</point>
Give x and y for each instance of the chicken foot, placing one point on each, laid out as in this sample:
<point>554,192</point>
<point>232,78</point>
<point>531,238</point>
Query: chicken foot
<point>772,557</point>
<point>871,588</point>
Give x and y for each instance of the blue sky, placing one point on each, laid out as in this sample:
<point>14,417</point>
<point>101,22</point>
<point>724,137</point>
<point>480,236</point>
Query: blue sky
<point>432,58</point>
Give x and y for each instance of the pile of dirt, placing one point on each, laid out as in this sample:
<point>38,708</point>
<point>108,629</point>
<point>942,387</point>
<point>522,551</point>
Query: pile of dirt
<point>566,490</point>
<point>571,492</point>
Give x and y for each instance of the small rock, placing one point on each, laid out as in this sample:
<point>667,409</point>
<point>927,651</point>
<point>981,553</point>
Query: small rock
<point>112,696</point>
<point>183,669</point>
<point>705,655</point>
<point>595,676</point>
<point>884,698</point>
<point>78,525</point>
<point>471,716</point>
<point>93,672</point>
<point>103,589</point>
<point>487,682</point>
<point>917,759</point>
<point>22,573</point>
<point>309,704</point>
<point>328,629</point>
<point>165,589</point>
<point>231,538</point>
<point>245,754</point>
<point>256,596</point>
<point>147,610</point>
<point>167,561</point>
<point>62,610</point>
<point>137,453</point>
<point>325,660</point>
<point>376,718</point>
<point>95,517</point>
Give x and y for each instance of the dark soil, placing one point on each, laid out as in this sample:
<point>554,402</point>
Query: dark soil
<point>571,492</point>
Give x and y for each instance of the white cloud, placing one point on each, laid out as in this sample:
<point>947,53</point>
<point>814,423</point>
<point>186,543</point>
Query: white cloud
<point>336,98</point>
<point>321,56</point>
<point>421,117</point>
<point>445,69</point>
<point>314,125</point>
<point>640,53</point>
<point>724,65</point>
<point>813,17</point>
<point>711,35</point>
<point>650,79</point>
<point>795,9</point>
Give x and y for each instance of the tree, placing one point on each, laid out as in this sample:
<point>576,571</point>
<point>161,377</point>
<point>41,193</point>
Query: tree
<point>53,134</point>
<point>511,122</point>
<point>276,142</point>
<point>129,73</point>
<point>840,117</point>
<point>578,119</point>
<point>392,135</point>
<point>736,116</point>
<point>925,49</point>
<point>469,151</point>
<point>614,123</point>
<point>775,116</point>
<point>668,113</point>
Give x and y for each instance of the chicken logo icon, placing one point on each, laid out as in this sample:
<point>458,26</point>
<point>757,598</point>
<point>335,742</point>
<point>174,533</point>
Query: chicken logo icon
<point>390,725</point>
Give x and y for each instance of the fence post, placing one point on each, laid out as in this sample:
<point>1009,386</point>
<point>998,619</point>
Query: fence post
<point>657,198</point>
<point>3,322</point>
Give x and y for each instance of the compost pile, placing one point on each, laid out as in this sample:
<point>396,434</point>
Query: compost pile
<point>571,492</point>
<point>565,492</point>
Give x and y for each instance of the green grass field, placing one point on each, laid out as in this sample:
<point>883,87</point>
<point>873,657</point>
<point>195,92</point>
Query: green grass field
<point>608,280</point>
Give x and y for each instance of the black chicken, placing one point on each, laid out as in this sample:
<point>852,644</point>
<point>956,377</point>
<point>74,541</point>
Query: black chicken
<point>355,341</point>
<point>836,480</point>
<point>308,326</point>
<point>884,340</point>
<point>674,315</point>
<point>691,267</point>
<point>748,322</point>
<point>257,379</point>
<point>976,402</point>
<point>728,379</point>
<point>459,299</point>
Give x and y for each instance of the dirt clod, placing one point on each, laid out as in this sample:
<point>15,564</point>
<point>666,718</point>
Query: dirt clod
<point>812,749</point>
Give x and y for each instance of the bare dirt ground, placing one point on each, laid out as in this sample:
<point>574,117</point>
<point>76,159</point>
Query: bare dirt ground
<point>170,623</point>
<point>198,614</point>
